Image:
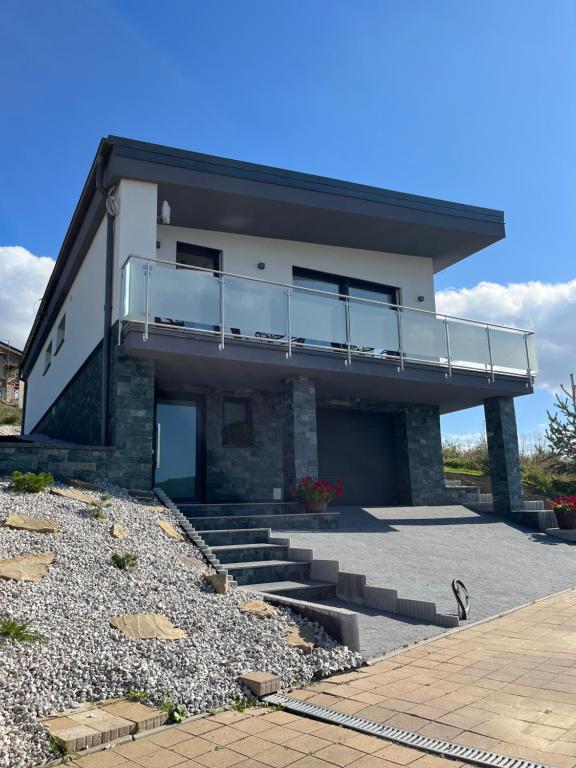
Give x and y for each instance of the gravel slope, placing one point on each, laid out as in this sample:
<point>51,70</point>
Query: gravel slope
<point>85,659</point>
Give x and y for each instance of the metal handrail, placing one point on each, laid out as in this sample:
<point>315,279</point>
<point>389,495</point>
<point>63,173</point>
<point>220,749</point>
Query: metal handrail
<point>221,273</point>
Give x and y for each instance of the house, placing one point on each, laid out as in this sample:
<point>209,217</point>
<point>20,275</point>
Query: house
<point>220,329</point>
<point>10,357</point>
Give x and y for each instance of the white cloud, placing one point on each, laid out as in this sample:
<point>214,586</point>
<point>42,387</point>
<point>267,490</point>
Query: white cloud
<point>23,278</point>
<point>549,309</point>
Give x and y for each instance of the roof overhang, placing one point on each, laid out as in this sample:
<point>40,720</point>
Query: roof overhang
<point>225,195</point>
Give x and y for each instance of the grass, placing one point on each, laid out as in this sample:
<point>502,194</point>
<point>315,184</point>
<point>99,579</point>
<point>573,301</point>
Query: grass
<point>125,562</point>
<point>460,471</point>
<point>18,631</point>
<point>10,414</point>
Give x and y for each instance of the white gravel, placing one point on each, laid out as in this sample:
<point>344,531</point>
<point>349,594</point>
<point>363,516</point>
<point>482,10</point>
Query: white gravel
<point>85,659</point>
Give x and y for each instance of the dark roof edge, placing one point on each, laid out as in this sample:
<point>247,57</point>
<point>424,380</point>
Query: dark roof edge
<point>279,176</point>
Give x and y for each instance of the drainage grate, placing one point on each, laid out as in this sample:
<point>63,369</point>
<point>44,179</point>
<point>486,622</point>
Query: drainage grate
<point>400,736</point>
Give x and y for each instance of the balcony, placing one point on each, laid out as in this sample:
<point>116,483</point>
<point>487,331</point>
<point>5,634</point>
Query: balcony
<point>236,308</point>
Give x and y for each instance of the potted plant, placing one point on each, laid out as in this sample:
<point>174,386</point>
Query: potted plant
<point>565,509</point>
<point>317,494</point>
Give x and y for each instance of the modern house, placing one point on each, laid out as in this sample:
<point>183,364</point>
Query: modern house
<point>10,357</point>
<point>219,329</point>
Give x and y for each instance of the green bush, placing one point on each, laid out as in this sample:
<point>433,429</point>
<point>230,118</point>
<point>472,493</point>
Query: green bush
<point>29,482</point>
<point>125,562</point>
<point>176,712</point>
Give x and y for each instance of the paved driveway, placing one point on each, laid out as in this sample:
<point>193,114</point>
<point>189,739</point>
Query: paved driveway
<point>419,550</point>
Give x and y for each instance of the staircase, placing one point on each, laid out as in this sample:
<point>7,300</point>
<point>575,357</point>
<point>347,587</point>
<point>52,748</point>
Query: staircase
<point>237,537</point>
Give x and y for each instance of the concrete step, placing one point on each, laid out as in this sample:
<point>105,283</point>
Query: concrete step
<point>240,510</point>
<point>242,553</point>
<point>298,522</point>
<point>236,536</point>
<point>258,571</point>
<point>303,589</point>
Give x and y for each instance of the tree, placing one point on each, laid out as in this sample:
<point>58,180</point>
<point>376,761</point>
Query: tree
<point>561,432</point>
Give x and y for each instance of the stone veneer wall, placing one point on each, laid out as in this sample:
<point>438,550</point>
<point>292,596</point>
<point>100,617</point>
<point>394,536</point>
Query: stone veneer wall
<point>128,461</point>
<point>299,433</point>
<point>503,454</point>
<point>75,415</point>
<point>244,473</point>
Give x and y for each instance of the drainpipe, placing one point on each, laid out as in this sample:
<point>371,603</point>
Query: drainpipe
<point>111,211</point>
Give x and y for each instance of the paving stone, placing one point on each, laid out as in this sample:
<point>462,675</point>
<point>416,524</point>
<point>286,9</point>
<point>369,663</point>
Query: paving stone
<point>257,608</point>
<point>112,727</point>
<point>146,626</point>
<point>34,524</point>
<point>108,758</point>
<point>162,758</point>
<point>73,736</point>
<point>261,683</point>
<point>144,717</point>
<point>170,530</point>
<point>26,567</point>
<point>72,493</point>
<point>339,754</point>
<point>301,638</point>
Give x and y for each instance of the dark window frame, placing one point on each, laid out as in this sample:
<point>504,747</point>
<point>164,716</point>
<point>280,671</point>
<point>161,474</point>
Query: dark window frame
<point>59,343</point>
<point>241,440</point>
<point>48,355</point>
<point>199,250</point>
<point>344,282</point>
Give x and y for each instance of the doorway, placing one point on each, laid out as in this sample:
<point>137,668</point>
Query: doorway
<point>179,449</point>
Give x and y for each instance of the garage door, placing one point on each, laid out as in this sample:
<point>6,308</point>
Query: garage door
<point>358,448</point>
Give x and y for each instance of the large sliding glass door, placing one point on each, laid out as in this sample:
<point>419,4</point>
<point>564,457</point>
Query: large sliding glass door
<point>177,449</point>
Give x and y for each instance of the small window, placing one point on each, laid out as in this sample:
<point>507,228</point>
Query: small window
<point>237,422</point>
<point>197,256</point>
<point>47,358</point>
<point>60,334</point>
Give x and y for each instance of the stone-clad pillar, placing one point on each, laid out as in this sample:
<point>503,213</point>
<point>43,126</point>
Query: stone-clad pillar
<point>299,437</point>
<point>503,454</point>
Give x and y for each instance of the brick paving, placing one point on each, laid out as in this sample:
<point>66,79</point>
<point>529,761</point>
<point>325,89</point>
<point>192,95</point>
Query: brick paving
<point>507,685</point>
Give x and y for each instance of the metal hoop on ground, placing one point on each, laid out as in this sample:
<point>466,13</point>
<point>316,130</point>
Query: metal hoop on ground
<point>462,598</point>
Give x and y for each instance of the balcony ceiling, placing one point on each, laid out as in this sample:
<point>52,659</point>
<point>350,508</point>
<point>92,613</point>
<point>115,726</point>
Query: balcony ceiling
<point>208,192</point>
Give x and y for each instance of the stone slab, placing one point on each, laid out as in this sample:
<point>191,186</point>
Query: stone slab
<point>144,718</point>
<point>218,581</point>
<point>189,562</point>
<point>147,626</point>
<point>73,736</point>
<point>118,531</point>
<point>301,638</point>
<point>74,494</point>
<point>81,484</point>
<point>34,524</point>
<point>257,608</point>
<point>170,530</point>
<point>261,683</point>
<point>111,726</point>
<point>27,567</point>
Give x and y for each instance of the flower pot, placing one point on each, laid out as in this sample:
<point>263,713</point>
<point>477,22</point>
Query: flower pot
<point>566,518</point>
<point>315,506</point>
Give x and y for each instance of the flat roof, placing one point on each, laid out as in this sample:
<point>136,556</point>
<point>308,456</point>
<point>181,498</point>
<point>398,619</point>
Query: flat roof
<point>215,193</point>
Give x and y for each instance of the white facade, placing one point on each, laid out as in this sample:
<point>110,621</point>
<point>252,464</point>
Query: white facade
<point>241,254</point>
<point>83,307</point>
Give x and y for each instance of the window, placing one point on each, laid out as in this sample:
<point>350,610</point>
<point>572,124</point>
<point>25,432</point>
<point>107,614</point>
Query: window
<point>47,358</point>
<point>237,422</point>
<point>347,286</point>
<point>60,334</point>
<point>197,256</point>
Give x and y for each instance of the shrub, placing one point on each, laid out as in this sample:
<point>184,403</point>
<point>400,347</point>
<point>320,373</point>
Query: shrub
<point>15,630</point>
<point>125,562</point>
<point>10,414</point>
<point>310,489</point>
<point>176,712</point>
<point>98,506</point>
<point>30,482</point>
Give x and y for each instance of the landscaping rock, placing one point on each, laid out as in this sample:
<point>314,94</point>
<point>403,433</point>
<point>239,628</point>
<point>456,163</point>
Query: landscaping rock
<point>36,524</point>
<point>118,532</point>
<point>72,493</point>
<point>218,581</point>
<point>170,530</point>
<point>27,567</point>
<point>301,638</point>
<point>189,562</point>
<point>257,608</point>
<point>145,626</point>
<point>82,484</point>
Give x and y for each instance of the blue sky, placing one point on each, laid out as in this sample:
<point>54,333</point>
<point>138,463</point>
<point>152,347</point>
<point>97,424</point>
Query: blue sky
<point>468,101</point>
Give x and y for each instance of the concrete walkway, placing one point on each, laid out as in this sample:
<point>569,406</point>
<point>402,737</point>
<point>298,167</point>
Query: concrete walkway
<point>507,685</point>
<point>419,550</point>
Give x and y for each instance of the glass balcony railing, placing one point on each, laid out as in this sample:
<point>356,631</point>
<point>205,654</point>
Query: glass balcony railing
<point>234,307</point>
